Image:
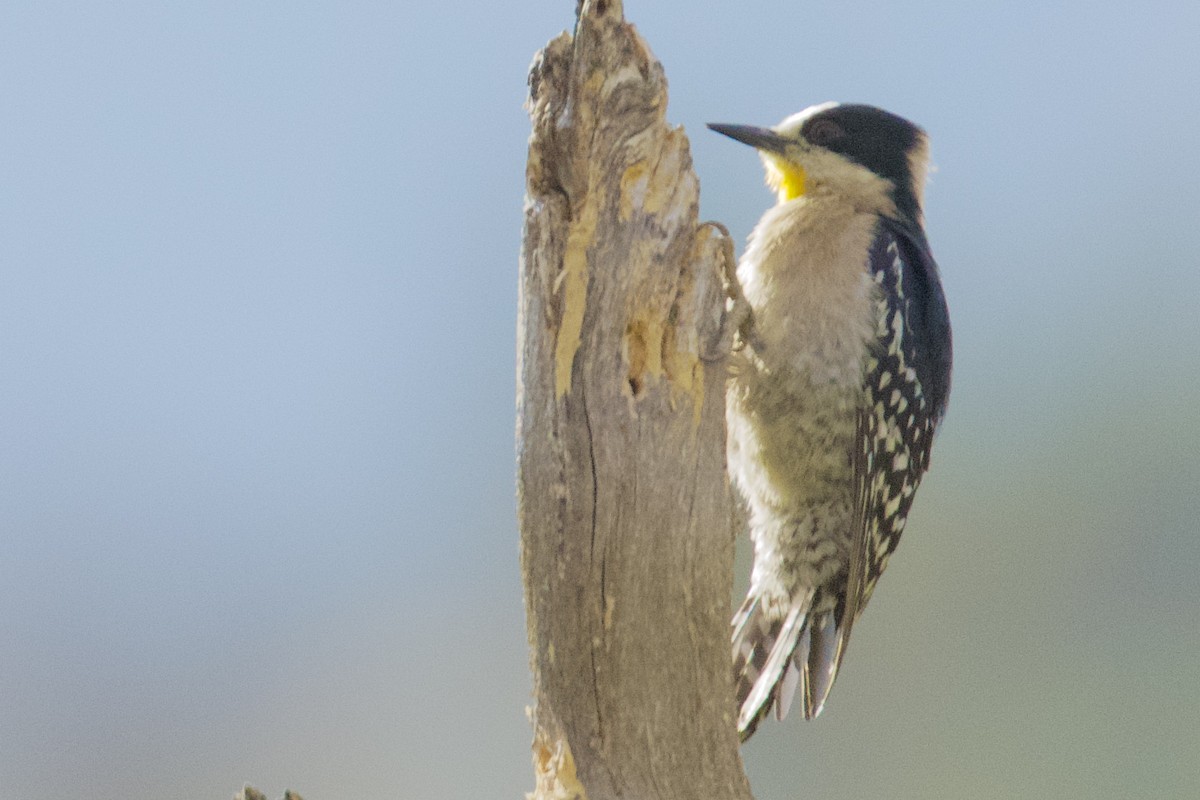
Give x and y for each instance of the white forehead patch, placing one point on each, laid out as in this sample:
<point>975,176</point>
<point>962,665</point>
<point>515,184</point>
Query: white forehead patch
<point>791,126</point>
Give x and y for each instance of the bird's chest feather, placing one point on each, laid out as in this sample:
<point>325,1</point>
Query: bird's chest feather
<point>792,402</point>
<point>805,274</point>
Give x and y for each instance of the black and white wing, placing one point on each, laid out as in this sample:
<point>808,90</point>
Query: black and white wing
<point>907,386</point>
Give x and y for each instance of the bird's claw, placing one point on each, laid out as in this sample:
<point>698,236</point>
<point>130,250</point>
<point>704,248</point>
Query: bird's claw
<point>737,325</point>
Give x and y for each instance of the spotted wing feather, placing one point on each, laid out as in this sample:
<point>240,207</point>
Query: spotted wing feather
<point>907,385</point>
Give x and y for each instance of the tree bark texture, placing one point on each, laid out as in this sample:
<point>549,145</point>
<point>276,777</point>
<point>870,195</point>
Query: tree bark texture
<point>626,547</point>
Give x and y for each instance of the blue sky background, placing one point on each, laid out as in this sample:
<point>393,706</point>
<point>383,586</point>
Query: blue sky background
<point>257,310</point>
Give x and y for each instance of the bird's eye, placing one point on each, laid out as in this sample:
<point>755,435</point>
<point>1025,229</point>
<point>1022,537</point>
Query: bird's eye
<point>824,132</point>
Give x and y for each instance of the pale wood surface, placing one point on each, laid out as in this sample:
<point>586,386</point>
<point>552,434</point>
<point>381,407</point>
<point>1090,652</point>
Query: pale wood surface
<point>626,543</point>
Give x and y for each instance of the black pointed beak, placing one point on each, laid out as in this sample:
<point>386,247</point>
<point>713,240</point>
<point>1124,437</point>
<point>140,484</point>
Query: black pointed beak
<point>758,138</point>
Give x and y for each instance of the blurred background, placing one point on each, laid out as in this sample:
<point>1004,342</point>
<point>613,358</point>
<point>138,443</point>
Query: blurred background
<point>257,309</point>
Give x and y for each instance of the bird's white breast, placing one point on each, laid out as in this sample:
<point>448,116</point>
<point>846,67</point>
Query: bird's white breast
<point>793,398</point>
<point>805,275</point>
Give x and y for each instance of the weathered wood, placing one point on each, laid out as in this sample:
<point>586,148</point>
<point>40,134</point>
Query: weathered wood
<point>626,546</point>
<point>250,793</point>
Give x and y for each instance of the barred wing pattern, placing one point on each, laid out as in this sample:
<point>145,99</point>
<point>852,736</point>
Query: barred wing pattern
<point>907,385</point>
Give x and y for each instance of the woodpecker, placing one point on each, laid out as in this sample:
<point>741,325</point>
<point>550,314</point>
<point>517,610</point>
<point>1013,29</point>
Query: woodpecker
<point>834,403</point>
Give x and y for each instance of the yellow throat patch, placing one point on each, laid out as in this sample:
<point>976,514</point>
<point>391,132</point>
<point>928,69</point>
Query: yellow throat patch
<point>785,177</point>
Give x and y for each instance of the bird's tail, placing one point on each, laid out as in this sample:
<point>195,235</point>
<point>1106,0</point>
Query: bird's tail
<point>774,655</point>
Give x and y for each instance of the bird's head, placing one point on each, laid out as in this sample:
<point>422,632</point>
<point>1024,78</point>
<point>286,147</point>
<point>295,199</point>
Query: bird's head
<point>865,154</point>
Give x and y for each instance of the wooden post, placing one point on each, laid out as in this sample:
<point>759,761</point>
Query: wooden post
<point>626,547</point>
